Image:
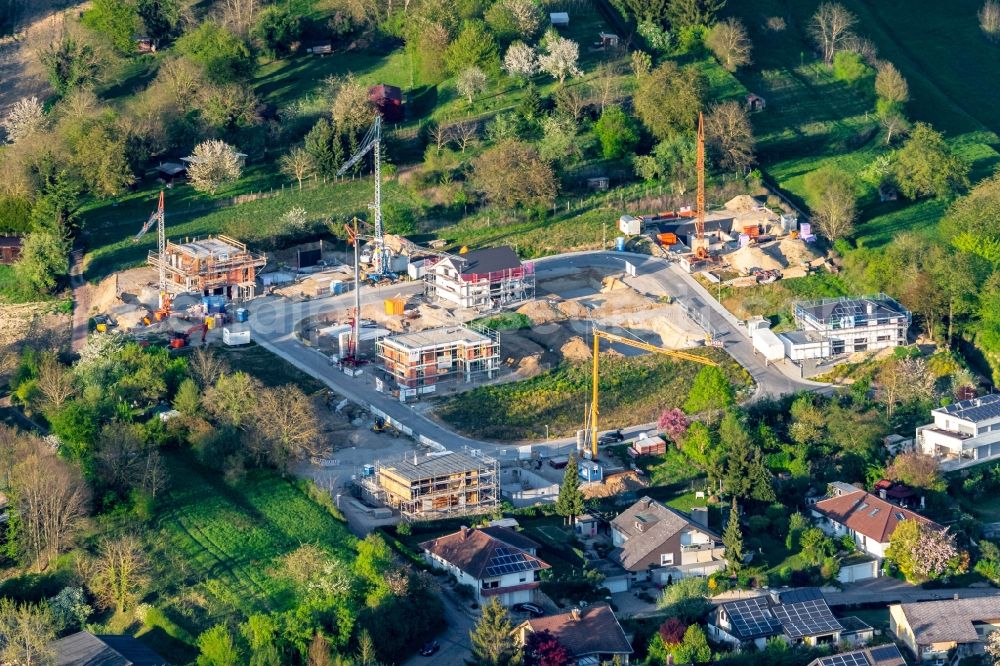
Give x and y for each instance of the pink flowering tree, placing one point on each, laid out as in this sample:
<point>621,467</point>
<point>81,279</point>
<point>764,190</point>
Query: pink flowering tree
<point>923,552</point>
<point>674,424</point>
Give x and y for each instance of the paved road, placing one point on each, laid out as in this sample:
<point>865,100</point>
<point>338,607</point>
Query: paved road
<point>456,647</point>
<point>889,591</point>
<point>273,320</point>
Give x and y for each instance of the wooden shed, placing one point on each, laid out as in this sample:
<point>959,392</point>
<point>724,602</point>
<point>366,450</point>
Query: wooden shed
<point>388,100</point>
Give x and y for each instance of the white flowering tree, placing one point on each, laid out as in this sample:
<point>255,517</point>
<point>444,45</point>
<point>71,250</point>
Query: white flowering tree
<point>993,647</point>
<point>214,163</point>
<point>527,15</point>
<point>295,218</point>
<point>520,61</point>
<point>560,57</point>
<point>26,116</point>
<point>471,81</point>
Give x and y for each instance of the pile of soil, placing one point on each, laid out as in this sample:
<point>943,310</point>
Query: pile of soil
<point>540,312</point>
<point>797,252</point>
<point>752,256</point>
<point>575,350</point>
<point>573,310</point>
<point>614,484</point>
<point>624,300</point>
<point>742,203</point>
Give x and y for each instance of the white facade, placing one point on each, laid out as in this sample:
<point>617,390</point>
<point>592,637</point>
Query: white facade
<point>767,344</point>
<point>802,346</point>
<point>836,530</point>
<point>963,434</point>
<point>487,588</point>
<point>852,325</point>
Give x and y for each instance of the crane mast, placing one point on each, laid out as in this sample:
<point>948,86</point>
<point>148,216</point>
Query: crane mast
<point>157,218</point>
<point>372,142</point>
<point>700,244</point>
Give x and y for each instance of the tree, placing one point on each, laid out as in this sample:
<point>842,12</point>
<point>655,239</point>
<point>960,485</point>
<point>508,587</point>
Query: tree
<point>815,545</point>
<point>831,26</point>
<point>729,136</point>
<point>617,133</point>
<point>915,469</point>
<point>569,504</point>
<point>732,539</point>
<point>832,197</point>
<point>923,552</point>
<point>492,638</point>
<point>224,54</point>
<point>926,165</point>
<point>512,175</point>
<point>668,99</point>
<point>993,638</point>
<point>521,60</point>
<point>541,648</point>
<point>26,633</point>
<point>297,164</point>
<point>894,124</point>
<point>51,499</point>
<point>849,67</point>
<point>471,82</point>
<point>729,42</point>
<point>55,381</point>
<point>160,17</point>
<point>277,29</point>
<point>120,572</point>
<point>233,398</point>
<point>215,163</point>
<point>674,424</point>
<point>428,50</point>
<point>891,86</point>
<point>514,19</point>
<point>686,599</point>
<point>694,648</point>
<point>463,133</point>
<point>206,367</point>
<point>352,108</point>
<point>25,117</point>
<point>903,380</point>
<point>70,610</point>
<point>120,457</point>
<point>217,648</point>
<point>117,20</point>
<point>989,19</point>
<point>70,64</point>
<point>710,392</point>
<point>560,57</point>
<point>692,13</point>
<point>474,46</point>
<point>319,651</point>
<point>324,145</point>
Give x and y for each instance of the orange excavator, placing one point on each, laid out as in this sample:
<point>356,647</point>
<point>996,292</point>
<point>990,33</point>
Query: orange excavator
<point>180,339</point>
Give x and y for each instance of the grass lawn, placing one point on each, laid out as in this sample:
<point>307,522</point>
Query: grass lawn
<point>633,388</point>
<point>774,301</point>
<point>214,546</point>
<point>987,509</point>
<point>269,369</point>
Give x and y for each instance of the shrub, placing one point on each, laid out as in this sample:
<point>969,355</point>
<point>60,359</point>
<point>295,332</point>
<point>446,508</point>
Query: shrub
<point>848,66</point>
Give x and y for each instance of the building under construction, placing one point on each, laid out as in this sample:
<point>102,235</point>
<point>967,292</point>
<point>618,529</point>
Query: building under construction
<point>416,363</point>
<point>217,265</point>
<point>485,280</point>
<point>435,485</point>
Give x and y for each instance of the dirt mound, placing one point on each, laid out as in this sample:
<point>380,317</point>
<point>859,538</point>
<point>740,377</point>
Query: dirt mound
<point>624,300</point>
<point>575,350</point>
<point>540,312</point>
<point>573,310</point>
<point>744,203</point>
<point>612,283</point>
<point>797,252</point>
<point>614,484</point>
<point>749,257</point>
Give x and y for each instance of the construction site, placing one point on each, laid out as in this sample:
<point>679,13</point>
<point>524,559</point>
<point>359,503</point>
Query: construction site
<point>213,266</point>
<point>425,486</point>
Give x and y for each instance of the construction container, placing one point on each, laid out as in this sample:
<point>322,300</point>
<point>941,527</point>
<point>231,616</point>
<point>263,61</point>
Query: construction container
<point>590,471</point>
<point>630,225</point>
<point>395,306</point>
<point>236,335</point>
<point>767,344</point>
<point>667,238</point>
<point>242,315</point>
<point>336,287</point>
<point>620,243</point>
<point>398,263</point>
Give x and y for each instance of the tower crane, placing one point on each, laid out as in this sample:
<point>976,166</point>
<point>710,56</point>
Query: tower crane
<point>372,142</point>
<point>638,344</point>
<point>700,245</point>
<point>157,217</point>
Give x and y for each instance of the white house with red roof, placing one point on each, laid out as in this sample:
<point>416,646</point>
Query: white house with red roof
<point>494,561</point>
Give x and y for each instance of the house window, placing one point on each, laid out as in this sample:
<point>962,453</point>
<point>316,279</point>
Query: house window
<point>491,584</point>
<point>666,559</point>
<point>523,578</point>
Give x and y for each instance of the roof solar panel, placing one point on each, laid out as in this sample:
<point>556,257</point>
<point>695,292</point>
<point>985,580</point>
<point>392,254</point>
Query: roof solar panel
<point>885,653</point>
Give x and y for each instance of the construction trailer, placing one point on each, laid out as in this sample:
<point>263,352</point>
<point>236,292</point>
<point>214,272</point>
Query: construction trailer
<point>416,363</point>
<point>217,265</point>
<point>485,280</point>
<point>435,485</point>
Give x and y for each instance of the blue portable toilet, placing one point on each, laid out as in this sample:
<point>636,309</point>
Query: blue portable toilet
<point>620,243</point>
<point>242,314</point>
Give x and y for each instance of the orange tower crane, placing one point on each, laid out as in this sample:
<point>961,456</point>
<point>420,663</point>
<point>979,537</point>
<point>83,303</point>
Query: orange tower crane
<point>700,245</point>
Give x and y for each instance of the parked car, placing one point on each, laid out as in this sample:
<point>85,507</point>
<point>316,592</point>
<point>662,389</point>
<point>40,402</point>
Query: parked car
<point>429,648</point>
<point>612,437</point>
<point>532,609</point>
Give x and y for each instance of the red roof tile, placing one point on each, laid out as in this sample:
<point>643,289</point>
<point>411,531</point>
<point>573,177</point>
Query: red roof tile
<point>867,514</point>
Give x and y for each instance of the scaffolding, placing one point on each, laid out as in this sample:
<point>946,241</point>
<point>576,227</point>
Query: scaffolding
<point>434,485</point>
<point>850,312</point>
<point>213,265</point>
<point>417,362</point>
<point>485,292</point>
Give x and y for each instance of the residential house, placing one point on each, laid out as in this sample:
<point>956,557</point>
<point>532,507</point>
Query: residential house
<point>656,543</point>
<point>795,615</point>
<point>883,655</point>
<point>388,101</point>
<point>964,433</point>
<point>491,566</point>
<point>940,632</point>
<point>591,635</point>
<point>868,519</point>
<point>85,649</point>
<point>836,326</point>
<point>485,279</point>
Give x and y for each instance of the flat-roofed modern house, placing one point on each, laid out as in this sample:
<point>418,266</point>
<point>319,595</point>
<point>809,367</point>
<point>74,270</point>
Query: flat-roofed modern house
<point>835,326</point>
<point>964,433</point>
<point>943,632</point>
<point>492,561</point>
<point>485,279</point>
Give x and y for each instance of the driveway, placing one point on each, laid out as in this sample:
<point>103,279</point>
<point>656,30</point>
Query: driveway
<point>273,320</point>
<point>456,647</point>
